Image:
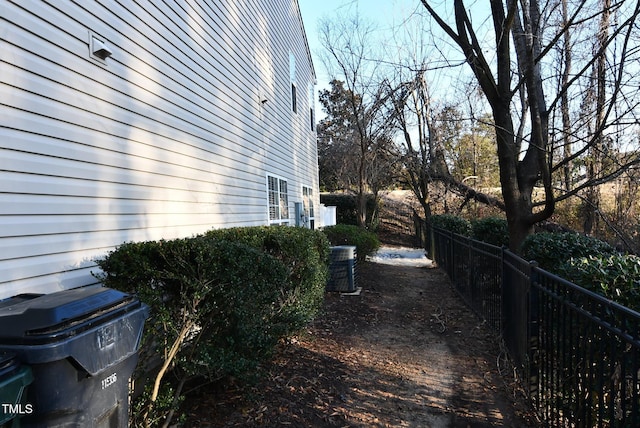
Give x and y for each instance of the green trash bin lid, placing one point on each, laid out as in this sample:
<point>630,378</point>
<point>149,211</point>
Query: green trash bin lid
<point>14,378</point>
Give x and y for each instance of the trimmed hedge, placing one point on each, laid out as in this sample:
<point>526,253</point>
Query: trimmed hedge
<point>304,252</point>
<point>219,303</point>
<point>366,242</point>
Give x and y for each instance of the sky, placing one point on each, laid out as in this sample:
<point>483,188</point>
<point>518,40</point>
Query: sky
<point>387,15</point>
<point>381,12</point>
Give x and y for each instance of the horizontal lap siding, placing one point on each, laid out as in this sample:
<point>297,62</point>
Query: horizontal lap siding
<point>166,140</point>
<point>293,153</point>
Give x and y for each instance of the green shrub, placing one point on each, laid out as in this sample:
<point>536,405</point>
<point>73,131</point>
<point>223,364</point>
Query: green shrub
<point>492,230</point>
<point>347,208</point>
<point>219,303</point>
<point>304,252</point>
<point>451,223</point>
<point>616,277</point>
<point>215,310</point>
<point>552,250</point>
<point>366,242</point>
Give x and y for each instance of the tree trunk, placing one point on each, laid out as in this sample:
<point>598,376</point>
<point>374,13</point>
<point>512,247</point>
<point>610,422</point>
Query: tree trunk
<point>362,209</point>
<point>525,157</point>
<point>517,204</point>
<point>594,169</point>
<point>564,100</point>
<point>362,196</point>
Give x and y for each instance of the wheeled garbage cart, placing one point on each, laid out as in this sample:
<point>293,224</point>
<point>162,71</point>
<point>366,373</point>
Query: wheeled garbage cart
<point>14,379</point>
<point>82,347</point>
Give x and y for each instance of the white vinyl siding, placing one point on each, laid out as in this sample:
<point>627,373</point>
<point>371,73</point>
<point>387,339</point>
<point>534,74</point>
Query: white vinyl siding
<point>165,138</point>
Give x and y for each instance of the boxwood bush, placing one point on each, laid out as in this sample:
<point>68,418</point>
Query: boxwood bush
<point>366,242</point>
<point>304,252</point>
<point>219,303</point>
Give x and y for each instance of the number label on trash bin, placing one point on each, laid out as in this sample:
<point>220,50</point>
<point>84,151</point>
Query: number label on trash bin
<point>106,336</point>
<point>109,380</point>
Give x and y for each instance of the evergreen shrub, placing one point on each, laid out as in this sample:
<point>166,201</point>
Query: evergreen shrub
<point>366,242</point>
<point>552,250</point>
<point>617,277</point>
<point>304,252</point>
<point>492,230</point>
<point>451,223</point>
<point>219,303</point>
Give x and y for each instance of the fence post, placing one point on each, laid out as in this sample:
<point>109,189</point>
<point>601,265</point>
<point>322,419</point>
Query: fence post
<point>503,298</point>
<point>432,242</point>
<point>533,330</point>
<point>452,257</point>
<point>473,271</point>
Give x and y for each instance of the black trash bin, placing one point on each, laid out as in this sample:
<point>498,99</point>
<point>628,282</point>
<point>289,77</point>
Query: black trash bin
<point>14,378</point>
<point>82,348</point>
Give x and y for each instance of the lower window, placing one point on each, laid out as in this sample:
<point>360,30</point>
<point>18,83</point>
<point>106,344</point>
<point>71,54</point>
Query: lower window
<point>278,200</point>
<point>307,203</point>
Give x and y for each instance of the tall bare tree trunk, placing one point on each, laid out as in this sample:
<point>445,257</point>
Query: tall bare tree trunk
<point>564,100</point>
<point>594,166</point>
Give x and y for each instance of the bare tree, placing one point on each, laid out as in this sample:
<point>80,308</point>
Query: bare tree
<point>594,160</point>
<point>516,85</point>
<point>425,129</point>
<point>348,42</point>
<point>411,104</point>
<point>408,91</point>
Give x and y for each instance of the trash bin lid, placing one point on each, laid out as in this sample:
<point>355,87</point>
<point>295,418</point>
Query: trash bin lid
<point>49,315</point>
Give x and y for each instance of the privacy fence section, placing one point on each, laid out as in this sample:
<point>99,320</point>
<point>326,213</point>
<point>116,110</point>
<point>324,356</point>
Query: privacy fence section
<point>578,354</point>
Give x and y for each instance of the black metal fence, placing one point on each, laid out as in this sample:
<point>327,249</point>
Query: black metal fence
<point>577,352</point>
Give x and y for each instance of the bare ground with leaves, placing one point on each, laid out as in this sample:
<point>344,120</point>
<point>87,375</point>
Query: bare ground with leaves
<point>404,353</point>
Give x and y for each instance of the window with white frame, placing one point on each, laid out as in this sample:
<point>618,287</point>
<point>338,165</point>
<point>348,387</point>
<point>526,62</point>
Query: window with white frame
<point>292,79</point>
<point>278,200</point>
<point>312,102</point>
<point>307,204</point>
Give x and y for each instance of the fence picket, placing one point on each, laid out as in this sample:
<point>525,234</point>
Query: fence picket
<point>578,353</point>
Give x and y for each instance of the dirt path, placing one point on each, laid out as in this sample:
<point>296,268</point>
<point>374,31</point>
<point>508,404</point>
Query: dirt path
<point>406,352</point>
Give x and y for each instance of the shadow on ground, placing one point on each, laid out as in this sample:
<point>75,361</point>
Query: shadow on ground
<point>404,353</point>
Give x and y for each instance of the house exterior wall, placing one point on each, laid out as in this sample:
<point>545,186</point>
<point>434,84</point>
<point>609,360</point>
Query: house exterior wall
<point>168,137</point>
